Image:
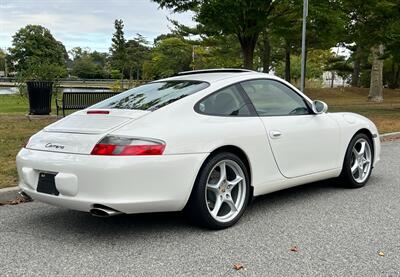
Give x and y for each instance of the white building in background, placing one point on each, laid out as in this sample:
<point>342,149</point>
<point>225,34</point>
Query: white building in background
<point>337,80</point>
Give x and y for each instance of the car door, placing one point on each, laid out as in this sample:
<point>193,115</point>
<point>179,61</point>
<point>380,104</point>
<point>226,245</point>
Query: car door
<point>302,142</point>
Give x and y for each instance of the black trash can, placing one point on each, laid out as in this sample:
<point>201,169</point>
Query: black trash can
<point>39,93</point>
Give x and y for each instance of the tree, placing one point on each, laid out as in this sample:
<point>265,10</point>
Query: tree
<point>315,65</point>
<point>86,67</point>
<point>325,27</point>
<point>99,58</point>
<point>245,19</point>
<point>118,48</point>
<point>78,52</point>
<point>87,64</point>
<point>215,52</point>
<point>3,61</point>
<point>374,24</point>
<point>340,66</point>
<point>35,44</point>
<point>168,57</point>
<point>211,50</point>
<point>137,51</point>
<point>391,71</point>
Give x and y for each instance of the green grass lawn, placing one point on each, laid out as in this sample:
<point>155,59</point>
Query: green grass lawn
<point>15,127</point>
<point>13,104</point>
<point>14,132</point>
<point>386,115</point>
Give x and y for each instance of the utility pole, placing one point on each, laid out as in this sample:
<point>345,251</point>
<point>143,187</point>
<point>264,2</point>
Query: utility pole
<point>303,46</point>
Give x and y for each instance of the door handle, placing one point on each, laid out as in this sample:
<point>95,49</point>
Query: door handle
<point>275,134</point>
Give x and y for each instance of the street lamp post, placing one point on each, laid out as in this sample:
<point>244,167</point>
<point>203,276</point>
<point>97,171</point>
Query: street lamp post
<point>303,46</point>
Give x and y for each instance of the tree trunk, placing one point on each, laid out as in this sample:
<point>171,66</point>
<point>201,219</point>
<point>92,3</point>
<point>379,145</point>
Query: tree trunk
<point>248,44</point>
<point>333,78</point>
<point>287,62</point>
<point>266,52</point>
<point>376,86</point>
<point>394,83</point>
<point>355,77</point>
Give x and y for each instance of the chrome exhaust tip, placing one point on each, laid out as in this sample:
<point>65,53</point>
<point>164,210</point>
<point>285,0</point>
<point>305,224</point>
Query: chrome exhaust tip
<point>103,211</point>
<point>24,195</point>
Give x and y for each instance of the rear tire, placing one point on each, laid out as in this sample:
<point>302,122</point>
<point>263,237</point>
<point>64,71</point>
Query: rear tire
<point>357,165</point>
<point>220,193</point>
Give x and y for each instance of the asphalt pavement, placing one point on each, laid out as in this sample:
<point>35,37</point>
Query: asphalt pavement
<point>336,232</point>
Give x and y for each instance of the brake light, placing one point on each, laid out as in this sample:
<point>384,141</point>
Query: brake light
<point>97,112</point>
<point>122,146</point>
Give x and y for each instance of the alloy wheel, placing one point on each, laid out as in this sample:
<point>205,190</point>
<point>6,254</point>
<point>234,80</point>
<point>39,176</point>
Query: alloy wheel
<point>225,190</point>
<point>361,160</point>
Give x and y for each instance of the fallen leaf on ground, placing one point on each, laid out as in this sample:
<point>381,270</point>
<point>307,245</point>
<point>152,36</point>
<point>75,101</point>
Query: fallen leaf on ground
<point>294,249</point>
<point>380,253</point>
<point>238,266</point>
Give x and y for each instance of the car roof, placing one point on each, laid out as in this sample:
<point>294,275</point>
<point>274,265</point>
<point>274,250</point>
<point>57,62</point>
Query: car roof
<point>214,75</point>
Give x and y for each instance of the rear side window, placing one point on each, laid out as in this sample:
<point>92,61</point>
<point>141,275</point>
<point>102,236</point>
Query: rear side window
<point>152,96</point>
<point>225,102</point>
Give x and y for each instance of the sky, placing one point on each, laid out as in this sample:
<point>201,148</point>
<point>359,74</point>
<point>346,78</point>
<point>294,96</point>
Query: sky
<point>86,23</point>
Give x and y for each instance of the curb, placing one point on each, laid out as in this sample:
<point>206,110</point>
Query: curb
<point>390,136</point>
<point>10,193</point>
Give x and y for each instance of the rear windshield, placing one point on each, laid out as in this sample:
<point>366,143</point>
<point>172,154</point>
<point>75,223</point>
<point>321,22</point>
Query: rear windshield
<point>152,96</point>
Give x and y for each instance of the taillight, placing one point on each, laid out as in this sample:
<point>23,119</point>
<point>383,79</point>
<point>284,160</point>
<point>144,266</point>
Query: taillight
<point>123,146</point>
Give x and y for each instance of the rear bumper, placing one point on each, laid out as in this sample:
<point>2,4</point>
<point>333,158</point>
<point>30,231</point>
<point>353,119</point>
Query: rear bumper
<point>130,184</point>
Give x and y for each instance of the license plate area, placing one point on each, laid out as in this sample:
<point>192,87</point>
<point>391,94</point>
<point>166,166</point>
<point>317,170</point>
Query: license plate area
<point>47,184</point>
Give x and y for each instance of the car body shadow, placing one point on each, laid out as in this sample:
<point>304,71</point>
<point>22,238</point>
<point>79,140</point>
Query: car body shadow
<point>56,220</point>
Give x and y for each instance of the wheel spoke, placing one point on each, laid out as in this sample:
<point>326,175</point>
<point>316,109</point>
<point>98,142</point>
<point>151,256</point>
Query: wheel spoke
<point>360,172</point>
<point>231,204</point>
<point>222,176</point>
<point>213,188</point>
<point>354,167</point>
<point>356,154</point>
<point>362,150</point>
<point>234,182</point>
<point>217,206</point>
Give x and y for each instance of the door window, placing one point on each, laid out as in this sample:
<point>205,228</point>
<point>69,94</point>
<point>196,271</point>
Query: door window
<point>272,98</point>
<point>226,102</point>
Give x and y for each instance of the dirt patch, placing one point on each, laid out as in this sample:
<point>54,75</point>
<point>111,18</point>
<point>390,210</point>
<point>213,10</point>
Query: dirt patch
<point>16,201</point>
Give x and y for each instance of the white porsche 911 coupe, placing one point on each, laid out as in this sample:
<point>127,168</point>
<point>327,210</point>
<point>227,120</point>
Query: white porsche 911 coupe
<point>206,142</point>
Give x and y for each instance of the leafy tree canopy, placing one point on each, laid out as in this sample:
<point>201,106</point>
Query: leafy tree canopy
<point>243,18</point>
<point>89,65</point>
<point>168,57</point>
<point>118,46</point>
<point>34,43</point>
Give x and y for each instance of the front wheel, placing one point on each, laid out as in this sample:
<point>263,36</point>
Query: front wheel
<point>221,192</point>
<point>357,165</point>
